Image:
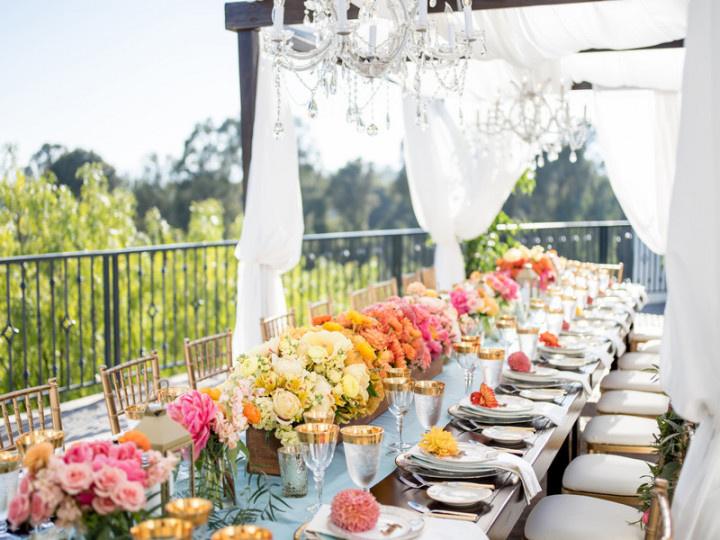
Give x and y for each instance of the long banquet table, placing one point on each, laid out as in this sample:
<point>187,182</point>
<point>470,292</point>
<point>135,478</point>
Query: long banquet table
<point>551,451</point>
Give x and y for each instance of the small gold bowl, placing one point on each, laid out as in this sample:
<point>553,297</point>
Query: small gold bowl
<point>195,510</point>
<point>168,394</point>
<point>157,529</point>
<point>25,441</point>
<point>242,532</point>
<point>136,412</point>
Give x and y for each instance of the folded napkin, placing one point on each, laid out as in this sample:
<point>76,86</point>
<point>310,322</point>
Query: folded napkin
<point>552,412</point>
<point>434,527</point>
<point>523,469</point>
<point>583,378</point>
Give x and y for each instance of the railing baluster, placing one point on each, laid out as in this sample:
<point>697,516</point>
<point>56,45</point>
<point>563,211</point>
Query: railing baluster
<point>141,350</point>
<point>81,350</point>
<point>24,324</point>
<point>38,319</point>
<point>163,272</point>
<point>93,326</point>
<point>52,317</point>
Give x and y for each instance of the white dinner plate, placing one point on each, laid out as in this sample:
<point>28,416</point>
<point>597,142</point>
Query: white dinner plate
<point>459,493</point>
<point>569,362</point>
<point>405,524</point>
<point>505,435</point>
<point>540,373</point>
<point>471,455</point>
<point>542,394</point>
<point>507,405</point>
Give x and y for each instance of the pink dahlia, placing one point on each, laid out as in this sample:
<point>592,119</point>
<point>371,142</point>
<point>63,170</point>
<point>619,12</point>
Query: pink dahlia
<point>519,361</point>
<point>354,510</point>
<point>196,412</point>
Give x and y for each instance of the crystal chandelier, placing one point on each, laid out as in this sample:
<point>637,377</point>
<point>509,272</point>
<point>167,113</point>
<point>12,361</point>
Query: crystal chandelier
<point>540,117</point>
<point>392,42</point>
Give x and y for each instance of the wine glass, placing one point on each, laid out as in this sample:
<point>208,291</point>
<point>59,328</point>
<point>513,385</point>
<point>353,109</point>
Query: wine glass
<point>398,391</point>
<point>9,471</point>
<point>318,442</point>
<point>491,362</point>
<point>362,446</point>
<point>466,356</point>
<point>428,402</point>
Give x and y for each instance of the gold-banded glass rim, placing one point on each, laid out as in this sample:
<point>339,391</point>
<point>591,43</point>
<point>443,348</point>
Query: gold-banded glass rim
<point>475,340</point>
<point>242,532</point>
<point>398,384</point>
<point>429,388</point>
<point>491,353</point>
<point>464,347</point>
<point>162,528</point>
<point>554,310</point>
<point>537,303</point>
<point>317,433</point>
<point>169,394</point>
<point>398,372</point>
<point>506,322</point>
<point>528,330</point>
<point>315,417</point>
<point>364,435</point>
<point>9,461</point>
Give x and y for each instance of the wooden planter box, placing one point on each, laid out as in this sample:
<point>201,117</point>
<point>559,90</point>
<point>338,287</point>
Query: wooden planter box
<point>263,445</point>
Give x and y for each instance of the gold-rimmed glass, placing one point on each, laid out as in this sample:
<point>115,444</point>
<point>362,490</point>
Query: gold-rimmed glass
<point>465,354</point>
<point>428,402</point>
<point>9,471</point>
<point>319,417</point>
<point>507,325</point>
<point>491,362</point>
<point>162,529</point>
<point>397,372</point>
<point>193,509</point>
<point>555,320</point>
<point>25,441</point>
<point>528,337</point>
<point>398,391</point>
<point>242,532</point>
<point>318,442</point>
<point>362,446</point>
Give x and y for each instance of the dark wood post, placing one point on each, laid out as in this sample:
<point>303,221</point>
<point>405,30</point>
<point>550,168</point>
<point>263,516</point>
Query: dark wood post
<point>248,54</point>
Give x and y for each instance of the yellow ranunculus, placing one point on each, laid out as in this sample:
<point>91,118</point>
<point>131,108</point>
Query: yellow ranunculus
<point>332,326</point>
<point>351,386</point>
<point>267,381</point>
<point>364,348</point>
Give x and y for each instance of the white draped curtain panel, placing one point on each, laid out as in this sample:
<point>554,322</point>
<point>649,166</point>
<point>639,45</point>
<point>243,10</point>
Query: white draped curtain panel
<point>271,240</point>
<point>690,371</point>
<point>637,131</point>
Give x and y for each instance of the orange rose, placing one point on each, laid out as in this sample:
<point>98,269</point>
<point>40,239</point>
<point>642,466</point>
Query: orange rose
<point>137,437</point>
<point>251,412</point>
<point>320,320</point>
<point>37,457</point>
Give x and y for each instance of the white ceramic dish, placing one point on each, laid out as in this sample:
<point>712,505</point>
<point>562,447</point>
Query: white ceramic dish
<point>459,493</point>
<point>405,525</point>
<point>505,435</point>
<point>542,394</point>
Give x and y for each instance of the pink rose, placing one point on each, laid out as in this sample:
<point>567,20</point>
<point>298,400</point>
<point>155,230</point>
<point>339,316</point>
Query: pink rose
<point>18,511</point>
<point>68,513</point>
<point>125,451</point>
<point>103,505</point>
<point>85,498</point>
<point>107,479</point>
<point>25,486</point>
<point>100,448</point>
<point>78,453</point>
<point>40,509</point>
<point>129,496</point>
<point>132,469</point>
<point>76,477</point>
<point>196,412</point>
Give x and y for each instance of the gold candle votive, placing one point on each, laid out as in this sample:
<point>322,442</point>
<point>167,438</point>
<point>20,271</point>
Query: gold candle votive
<point>161,529</point>
<point>25,441</point>
<point>319,417</point>
<point>9,462</point>
<point>168,394</point>
<point>398,372</point>
<point>194,509</point>
<point>242,532</point>
<point>135,411</point>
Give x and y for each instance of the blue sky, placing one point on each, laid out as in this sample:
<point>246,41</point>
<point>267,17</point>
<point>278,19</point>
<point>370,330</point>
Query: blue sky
<point>128,78</point>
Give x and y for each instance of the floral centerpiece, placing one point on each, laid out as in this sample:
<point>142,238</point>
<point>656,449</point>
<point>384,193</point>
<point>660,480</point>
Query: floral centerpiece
<point>437,319</point>
<point>215,420</point>
<point>475,304</point>
<point>99,488</point>
<point>542,262</point>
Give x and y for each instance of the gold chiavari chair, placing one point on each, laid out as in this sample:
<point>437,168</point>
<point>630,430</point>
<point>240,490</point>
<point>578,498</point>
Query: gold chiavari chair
<point>319,308</point>
<point>427,276</point>
<point>383,290</point>
<point>274,326</point>
<point>134,383</point>
<point>361,298</point>
<point>208,357</point>
<point>20,415</point>
<point>409,278</point>
<point>615,270</point>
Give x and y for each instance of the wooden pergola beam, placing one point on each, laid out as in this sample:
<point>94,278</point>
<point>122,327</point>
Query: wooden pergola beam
<point>251,15</point>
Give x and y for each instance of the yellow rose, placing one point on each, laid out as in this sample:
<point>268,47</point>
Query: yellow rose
<point>286,404</point>
<point>350,386</point>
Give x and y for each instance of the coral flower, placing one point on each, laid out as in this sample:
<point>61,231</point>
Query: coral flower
<point>354,510</point>
<point>252,413</point>
<point>138,438</point>
<point>37,457</point>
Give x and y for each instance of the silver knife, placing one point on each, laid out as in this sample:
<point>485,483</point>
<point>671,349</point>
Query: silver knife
<point>445,514</point>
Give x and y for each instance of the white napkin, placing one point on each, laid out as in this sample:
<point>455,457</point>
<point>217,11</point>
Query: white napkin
<point>553,412</point>
<point>434,527</point>
<point>579,377</point>
<point>523,469</point>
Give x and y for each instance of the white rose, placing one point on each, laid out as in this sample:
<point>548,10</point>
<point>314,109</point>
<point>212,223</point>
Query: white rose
<point>360,373</point>
<point>333,342</point>
<point>248,366</point>
<point>286,404</point>
<point>290,368</point>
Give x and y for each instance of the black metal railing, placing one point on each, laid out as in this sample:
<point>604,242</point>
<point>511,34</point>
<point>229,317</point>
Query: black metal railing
<point>64,315</point>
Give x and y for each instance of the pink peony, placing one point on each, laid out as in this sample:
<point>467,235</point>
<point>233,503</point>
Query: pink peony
<point>40,509</point>
<point>459,299</point>
<point>25,486</point>
<point>354,510</point>
<point>79,453</point>
<point>75,477</point>
<point>196,412</point>
<point>129,496</point>
<point>107,479</point>
<point>103,505</point>
<point>19,510</point>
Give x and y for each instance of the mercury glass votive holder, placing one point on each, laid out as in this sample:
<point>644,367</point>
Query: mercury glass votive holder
<point>293,471</point>
<point>242,532</point>
<point>162,529</point>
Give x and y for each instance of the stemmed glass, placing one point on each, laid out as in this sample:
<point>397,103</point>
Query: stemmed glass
<point>398,372</point>
<point>318,442</point>
<point>466,356</point>
<point>9,471</point>
<point>362,446</point>
<point>428,402</point>
<point>400,396</point>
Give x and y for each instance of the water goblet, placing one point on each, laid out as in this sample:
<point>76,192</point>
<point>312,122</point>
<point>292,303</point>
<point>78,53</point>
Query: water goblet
<point>9,471</point>
<point>428,402</point>
<point>318,442</point>
<point>466,356</point>
<point>491,362</point>
<point>536,316</point>
<point>398,391</point>
<point>362,446</point>
<point>528,337</point>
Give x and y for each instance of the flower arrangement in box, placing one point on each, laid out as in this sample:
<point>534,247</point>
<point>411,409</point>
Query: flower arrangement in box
<point>215,419</point>
<point>437,319</point>
<point>475,304</point>
<point>96,487</point>
<point>515,258</point>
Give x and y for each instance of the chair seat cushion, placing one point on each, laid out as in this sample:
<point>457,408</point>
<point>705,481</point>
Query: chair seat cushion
<point>621,379</point>
<point>633,402</point>
<point>638,361</point>
<point>621,429</point>
<point>605,473</point>
<point>652,346</point>
<point>571,517</point>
